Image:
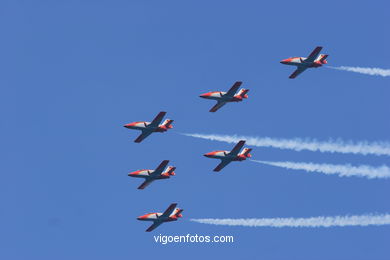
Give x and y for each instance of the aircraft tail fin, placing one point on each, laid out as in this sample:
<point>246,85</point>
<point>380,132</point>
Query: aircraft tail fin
<point>243,93</point>
<point>246,152</point>
<point>178,212</point>
<point>167,123</point>
<point>322,58</point>
<point>170,171</point>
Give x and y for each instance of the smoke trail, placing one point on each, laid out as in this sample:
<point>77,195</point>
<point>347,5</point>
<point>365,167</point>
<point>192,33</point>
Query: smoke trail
<point>341,170</point>
<point>337,221</point>
<point>368,71</point>
<point>297,144</point>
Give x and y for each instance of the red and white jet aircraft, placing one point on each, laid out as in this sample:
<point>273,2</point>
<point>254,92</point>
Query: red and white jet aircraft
<point>150,175</point>
<point>314,60</point>
<point>228,156</point>
<point>170,214</point>
<point>223,97</point>
<point>148,128</point>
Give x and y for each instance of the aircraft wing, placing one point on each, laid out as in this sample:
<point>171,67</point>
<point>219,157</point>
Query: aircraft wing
<point>153,226</point>
<point>233,89</point>
<point>157,120</point>
<point>217,106</point>
<point>145,184</point>
<point>142,136</point>
<point>169,210</point>
<point>222,165</point>
<point>160,168</point>
<point>237,148</point>
<point>298,71</point>
<point>314,54</point>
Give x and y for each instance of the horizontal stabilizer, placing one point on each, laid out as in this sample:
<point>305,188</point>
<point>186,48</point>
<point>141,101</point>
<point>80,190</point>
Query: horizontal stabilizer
<point>168,123</point>
<point>243,93</point>
<point>170,171</point>
<point>323,57</point>
<point>246,152</point>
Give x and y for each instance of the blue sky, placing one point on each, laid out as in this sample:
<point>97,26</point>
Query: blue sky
<point>73,72</point>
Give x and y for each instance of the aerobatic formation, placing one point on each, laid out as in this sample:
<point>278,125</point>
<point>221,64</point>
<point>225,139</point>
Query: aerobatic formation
<point>236,154</point>
<point>172,213</point>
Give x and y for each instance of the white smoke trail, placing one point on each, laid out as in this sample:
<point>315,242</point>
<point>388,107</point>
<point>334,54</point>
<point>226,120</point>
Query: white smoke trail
<point>341,170</point>
<point>368,71</point>
<point>313,222</point>
<point>297,144</point>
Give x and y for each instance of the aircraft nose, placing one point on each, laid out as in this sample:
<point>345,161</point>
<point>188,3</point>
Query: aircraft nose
<point>129,125</point>
<point>207,155</point>
<point>203,95</point>
<point>283,61</point>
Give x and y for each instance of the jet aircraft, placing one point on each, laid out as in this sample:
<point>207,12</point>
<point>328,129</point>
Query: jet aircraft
<point>224,97</point>
<point>170,214</point>
<point>150,175</point>
<point>314,60</point>
<point>148,128</point>
<point>228,156</point>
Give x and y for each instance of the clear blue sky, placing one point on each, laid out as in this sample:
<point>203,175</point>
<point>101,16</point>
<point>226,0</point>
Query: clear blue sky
<point>73,72</point>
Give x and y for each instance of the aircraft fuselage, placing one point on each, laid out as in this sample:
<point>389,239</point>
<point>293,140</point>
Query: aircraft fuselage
<point>223,155</point>
<point>221,96</point>
<point>156,217</point>
<point>146,126</point>
<point>300,62</point>
<point>146,174</point>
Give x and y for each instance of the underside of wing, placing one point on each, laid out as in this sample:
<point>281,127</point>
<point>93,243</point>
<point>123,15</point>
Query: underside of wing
<point>217,106</point>
<point>221,165</point>
<point>237,148</point>
<point>169,210</point>
<point>314,54</point>
<point>157,120</point>
<point>233,89</point>
<point>298,71</point>
<point>160,168</point>
<point>153,226</point>
<point>142,136</point>
<point>145,184</point>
